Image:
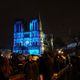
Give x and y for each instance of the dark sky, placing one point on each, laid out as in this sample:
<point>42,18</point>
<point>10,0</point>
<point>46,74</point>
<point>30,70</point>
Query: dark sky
<point>62,18</point>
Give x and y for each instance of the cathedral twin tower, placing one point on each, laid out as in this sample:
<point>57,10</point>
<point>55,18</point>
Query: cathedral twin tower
<point>28,42</point>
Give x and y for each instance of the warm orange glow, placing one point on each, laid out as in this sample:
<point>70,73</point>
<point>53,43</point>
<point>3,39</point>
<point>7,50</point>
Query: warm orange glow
<point>35,58</point>
<point>63,57</point>
<point>55,76</point>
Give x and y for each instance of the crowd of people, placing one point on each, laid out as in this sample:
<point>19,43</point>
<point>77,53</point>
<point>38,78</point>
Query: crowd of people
<point>33,67</point>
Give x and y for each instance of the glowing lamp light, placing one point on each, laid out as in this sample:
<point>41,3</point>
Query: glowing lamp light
<point>59,51</point>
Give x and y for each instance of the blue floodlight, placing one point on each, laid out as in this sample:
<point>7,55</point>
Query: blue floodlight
<point>34,51</point>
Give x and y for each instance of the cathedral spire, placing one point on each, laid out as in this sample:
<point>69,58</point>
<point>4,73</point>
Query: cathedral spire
<point>41,34</point>
<point>40,23</point>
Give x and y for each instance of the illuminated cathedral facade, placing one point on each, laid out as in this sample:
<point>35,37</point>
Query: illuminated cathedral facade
<point>28,42</point>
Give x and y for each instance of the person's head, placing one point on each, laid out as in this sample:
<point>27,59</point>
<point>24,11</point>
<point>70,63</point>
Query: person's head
<point>30,58</point>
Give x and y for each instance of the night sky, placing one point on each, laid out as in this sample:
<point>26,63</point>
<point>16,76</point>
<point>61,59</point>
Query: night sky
<point>62,18</point>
